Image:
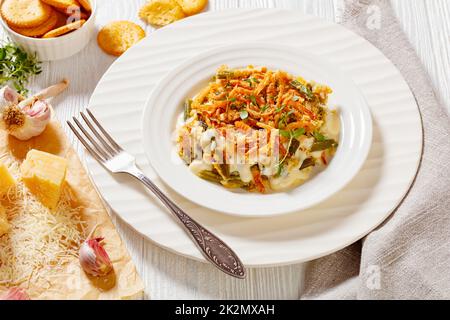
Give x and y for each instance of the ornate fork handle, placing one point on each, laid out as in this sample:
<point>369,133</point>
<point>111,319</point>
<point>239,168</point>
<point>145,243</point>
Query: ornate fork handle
<point>214,249</point>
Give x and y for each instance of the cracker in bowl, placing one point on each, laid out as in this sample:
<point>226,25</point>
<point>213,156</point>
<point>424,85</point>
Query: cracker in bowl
<point>25,13</point>
<point>40,30</point>
<point>86,5</point>
<point>63,4</point>
<point>64,29</point>
<point>44,18</point>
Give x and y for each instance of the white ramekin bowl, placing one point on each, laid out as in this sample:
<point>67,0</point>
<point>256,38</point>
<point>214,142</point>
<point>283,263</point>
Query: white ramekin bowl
<point>56,48</point>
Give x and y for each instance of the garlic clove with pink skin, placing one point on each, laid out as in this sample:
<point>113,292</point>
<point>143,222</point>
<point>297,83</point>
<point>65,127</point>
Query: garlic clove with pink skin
<point>8,97</point>
<point>15,293</point>
<point>47,93</point>
<point>94,259</point>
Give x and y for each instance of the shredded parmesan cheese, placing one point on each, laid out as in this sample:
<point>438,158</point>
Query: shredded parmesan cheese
<point>40,243</point>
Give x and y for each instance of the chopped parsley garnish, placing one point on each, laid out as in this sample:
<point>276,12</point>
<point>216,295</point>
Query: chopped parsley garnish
<point>298,132</point>
<point>285,133</point>
<point>280,108</point>
<point>253,100</point>
<point>264,107</point>
<point>284,118</point>
<point>292,133</point>
<point>249,81</point>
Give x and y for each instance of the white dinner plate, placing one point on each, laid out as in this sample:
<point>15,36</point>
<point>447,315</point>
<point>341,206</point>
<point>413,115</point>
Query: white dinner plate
<point>345,217</point>
<point>166,104</point>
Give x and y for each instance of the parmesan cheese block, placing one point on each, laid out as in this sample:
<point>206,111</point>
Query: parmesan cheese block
<point>6,180</point>
<point>43,174</point>
<point>4,225</point>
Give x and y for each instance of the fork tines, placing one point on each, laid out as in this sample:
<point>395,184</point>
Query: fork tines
<point>96,140</point>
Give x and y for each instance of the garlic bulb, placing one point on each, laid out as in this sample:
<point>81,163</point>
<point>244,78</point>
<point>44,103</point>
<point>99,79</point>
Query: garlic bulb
<point>27,118</point>
<point>94,259</point>
<point>28,122</point>
<point>15,293</point>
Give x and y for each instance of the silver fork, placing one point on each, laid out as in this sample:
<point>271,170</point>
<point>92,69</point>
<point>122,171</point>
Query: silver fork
<point>113,158</point>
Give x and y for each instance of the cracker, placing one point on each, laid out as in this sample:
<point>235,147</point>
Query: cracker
<point>62,4</point>
<point>25,13</point>
<point>61,21</point>
<point>73,12</point>
<point>86,4</point>
<point>64,29</point>
<point>41,29</point>
<point>191,7</point>
<point>117,37</point>
<point>161,12</point>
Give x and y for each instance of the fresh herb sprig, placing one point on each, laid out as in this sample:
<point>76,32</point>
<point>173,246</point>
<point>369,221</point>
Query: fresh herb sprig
<point>17,66</point>
<point>291,135</point>
<point>283,121</point>
<point>318,136</point>
<point>264,108</point>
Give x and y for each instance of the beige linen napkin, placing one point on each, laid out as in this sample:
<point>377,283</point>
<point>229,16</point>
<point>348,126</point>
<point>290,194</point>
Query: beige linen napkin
<point>408,257</point>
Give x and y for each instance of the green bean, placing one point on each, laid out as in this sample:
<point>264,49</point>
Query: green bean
<point>210,176</point>
<point>225,74</point>
<point>233,183</point>
<point>303,89</point>
<point>323,145</point>
<point>187,109</point>
<point>308,162</point>
<point>294,146</point>
<point>222,170</point>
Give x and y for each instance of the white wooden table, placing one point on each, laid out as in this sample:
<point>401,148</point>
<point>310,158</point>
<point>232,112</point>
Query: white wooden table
<point>166,275</point>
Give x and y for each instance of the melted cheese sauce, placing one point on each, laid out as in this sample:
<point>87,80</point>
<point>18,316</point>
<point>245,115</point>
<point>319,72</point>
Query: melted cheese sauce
<point>332,125</point>
<point>198,166</point>
<point>292,176</point>
<point>244,170</point>
<point>209,145</point>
